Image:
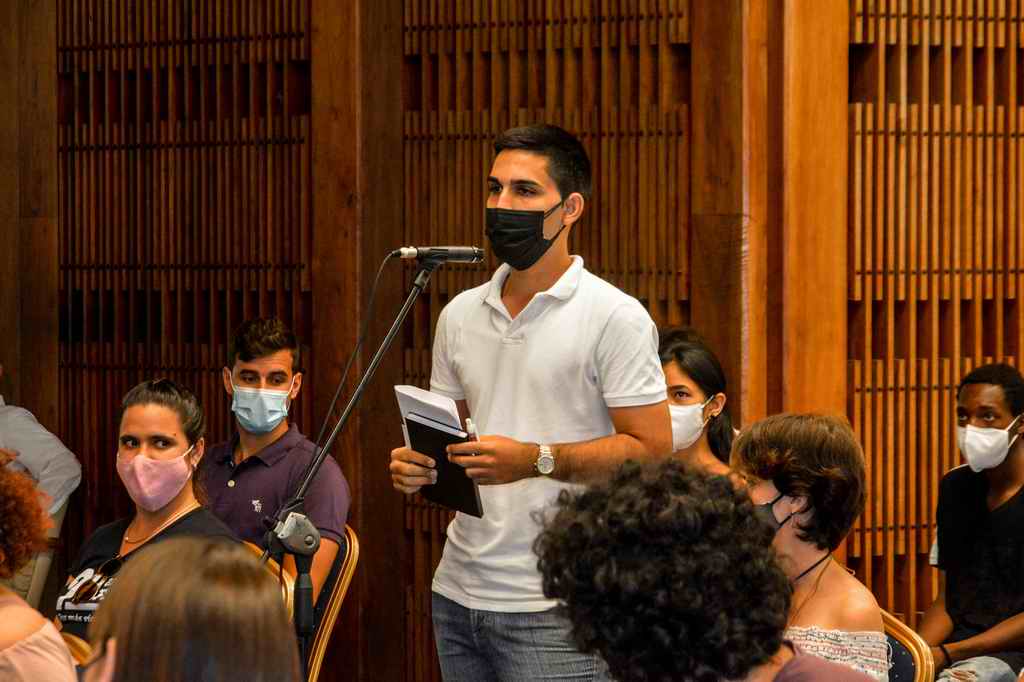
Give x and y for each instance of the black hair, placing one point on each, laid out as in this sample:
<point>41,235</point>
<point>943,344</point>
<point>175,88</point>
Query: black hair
<point>261,337</point>
<point>685,347</point>
<point>173,396</point>
<point>568,163</point>
<point>999,374</point>
<point>667,573</point>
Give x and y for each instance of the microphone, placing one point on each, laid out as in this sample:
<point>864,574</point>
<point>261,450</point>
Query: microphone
<point>456,254</point>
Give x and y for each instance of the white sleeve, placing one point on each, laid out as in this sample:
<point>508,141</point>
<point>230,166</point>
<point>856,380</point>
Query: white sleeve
<point>54,467</point>
<point>627,358</point>
<point>443,378</point>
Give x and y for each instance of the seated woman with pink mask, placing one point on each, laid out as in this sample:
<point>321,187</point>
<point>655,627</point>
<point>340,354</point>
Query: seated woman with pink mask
<point>160,444</point>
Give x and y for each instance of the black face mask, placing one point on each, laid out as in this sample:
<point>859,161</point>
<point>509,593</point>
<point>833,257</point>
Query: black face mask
<point>766,513</point>
<point>517,237</point>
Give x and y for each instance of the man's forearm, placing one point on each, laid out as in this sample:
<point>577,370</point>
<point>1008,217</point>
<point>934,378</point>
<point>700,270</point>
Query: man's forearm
<point>1005,636</point>
<point>586,461</point>
<point>936,624</point>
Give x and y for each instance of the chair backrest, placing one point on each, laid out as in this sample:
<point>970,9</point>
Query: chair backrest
<point>911,656</point>
<point>79,648</point>
<point>284,577</point>
<point>331,596</point>
<point>41,569</point>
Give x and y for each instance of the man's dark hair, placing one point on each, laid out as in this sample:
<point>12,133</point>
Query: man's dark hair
<point>568,163</point>
<point>261,337</point>
<point>667,573</point>
<point>999,374</point>
<point>685,347</point>
<point>812,456</point>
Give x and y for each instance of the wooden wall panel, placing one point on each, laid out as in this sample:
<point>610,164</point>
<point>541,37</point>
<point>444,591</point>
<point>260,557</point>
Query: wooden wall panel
<point>184,167</point>
<point>615,73</point>
<point>934,251</point>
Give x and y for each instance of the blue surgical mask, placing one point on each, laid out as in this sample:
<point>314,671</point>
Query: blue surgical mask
<point>260,410</point>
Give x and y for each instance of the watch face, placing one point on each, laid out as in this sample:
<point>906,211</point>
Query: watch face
<point>545,464</point>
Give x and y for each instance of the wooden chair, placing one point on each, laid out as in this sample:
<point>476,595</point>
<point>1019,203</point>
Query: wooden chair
<point>79,648</point>
<point>909,652</point>
<point>286,579</point>
<point>338,582</point>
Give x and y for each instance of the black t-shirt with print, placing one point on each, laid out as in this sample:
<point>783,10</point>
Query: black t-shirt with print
<point>105,544</point>
<point>982,553</point>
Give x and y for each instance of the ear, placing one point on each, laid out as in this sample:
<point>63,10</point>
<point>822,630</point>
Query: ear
<point>198,451</point>
<point>296,385</point>
<point>798,505</point>
<point>225,374</point>
<point>717,405</point>
<point>572,208</point>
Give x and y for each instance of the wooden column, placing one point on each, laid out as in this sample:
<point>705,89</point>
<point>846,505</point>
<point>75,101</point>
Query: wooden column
<point>28,208</point>
<point>357,214</point>
<point>729,219</point>
<point>814,120</point>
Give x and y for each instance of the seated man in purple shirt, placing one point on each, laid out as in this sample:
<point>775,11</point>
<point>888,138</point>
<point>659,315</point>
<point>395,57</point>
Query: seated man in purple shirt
<point>252,475</point>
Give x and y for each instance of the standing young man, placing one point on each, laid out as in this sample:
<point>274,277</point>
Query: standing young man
<point>976,624</point>
<point>252,475</point>
<point>561,370</point>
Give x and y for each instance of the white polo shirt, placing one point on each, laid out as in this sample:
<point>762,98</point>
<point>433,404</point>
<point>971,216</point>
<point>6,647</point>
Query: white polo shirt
<point>548,376</point>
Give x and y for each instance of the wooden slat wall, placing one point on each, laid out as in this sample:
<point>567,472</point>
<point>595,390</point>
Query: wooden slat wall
<point>184,207</point>
<point>614,72</point>
<point>934,254</point>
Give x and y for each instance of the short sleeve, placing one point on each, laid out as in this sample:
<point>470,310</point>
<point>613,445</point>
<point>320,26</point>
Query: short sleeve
<point>443,378</point>
<point>327,501</point>
<point>933,553</point>
<point>627,358</point>
<point>54,468</point>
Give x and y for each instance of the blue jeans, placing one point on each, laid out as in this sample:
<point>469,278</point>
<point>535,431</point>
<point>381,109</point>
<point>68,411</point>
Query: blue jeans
<point>480,646</point>
<point>978,669</point>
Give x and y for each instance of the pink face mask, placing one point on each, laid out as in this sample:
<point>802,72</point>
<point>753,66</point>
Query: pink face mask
<point>152,483</point>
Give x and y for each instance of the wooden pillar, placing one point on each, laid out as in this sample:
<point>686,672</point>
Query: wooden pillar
<point>357,211</point>
<point>729,220</point>
<point>815,74</point>
<point>28,208</point>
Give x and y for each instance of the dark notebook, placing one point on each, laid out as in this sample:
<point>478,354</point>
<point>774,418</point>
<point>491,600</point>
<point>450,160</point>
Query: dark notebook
<point>454,489</point>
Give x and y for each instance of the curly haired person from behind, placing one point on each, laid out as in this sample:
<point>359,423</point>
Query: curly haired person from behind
<point>193,609</point>
<point>806,476</point>
<point>30,647</point>
<point>668,573</point>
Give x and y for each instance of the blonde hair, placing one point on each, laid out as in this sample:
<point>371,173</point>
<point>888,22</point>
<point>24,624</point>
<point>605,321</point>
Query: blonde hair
<point>199,609</point>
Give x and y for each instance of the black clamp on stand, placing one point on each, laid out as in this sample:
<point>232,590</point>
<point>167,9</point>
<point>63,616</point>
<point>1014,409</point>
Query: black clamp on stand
<point>290,532</point>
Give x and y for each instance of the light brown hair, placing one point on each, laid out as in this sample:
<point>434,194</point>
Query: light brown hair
<point>198,609</point>
<point>812,456</point>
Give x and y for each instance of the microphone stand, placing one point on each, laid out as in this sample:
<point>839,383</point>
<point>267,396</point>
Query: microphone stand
<point>290,531</point>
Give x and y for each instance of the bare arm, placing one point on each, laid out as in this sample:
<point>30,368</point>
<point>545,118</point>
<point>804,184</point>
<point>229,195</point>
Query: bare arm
<point>936,625</point>
<point>642,432</point>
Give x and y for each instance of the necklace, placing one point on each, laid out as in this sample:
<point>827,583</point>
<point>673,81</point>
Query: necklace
<point>129,541</point>
<point>812,567</point>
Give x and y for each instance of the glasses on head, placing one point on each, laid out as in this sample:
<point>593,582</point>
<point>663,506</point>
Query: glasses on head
<point>91,587</point>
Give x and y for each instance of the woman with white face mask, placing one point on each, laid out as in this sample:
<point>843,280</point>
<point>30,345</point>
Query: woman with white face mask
<point>160,443</point>
<point>976,623</point>
<point>702,430</point>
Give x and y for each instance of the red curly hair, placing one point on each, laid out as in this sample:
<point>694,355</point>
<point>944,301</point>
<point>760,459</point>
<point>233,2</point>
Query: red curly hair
<point>23,522</point>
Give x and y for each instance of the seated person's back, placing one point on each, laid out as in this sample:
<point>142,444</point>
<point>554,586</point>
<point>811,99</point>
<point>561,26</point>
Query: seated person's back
<point>668,573</point>
<point>30,647</point>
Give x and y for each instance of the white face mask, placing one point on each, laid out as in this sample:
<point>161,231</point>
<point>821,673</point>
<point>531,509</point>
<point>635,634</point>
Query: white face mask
<point>985,448</point>
<point>687,424</point>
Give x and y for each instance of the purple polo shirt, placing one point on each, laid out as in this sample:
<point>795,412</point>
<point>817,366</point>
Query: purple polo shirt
<point>241,496</point>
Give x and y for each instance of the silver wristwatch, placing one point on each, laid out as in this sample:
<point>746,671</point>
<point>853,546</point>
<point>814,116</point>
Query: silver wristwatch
<point>545,463</point>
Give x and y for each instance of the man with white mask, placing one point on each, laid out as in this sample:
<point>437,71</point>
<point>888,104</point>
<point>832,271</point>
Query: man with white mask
<point>252,475</point>
<point>976,624</point>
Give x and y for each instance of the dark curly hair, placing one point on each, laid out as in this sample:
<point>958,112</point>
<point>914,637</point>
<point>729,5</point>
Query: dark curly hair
<point>667,573</point>
<point>23,522</point>
<point>812,456</point>
<point>685,347</point>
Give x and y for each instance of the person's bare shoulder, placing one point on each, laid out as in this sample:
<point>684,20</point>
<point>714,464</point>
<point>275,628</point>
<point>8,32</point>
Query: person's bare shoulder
<point>860,611</point>
<point>18,620</point>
